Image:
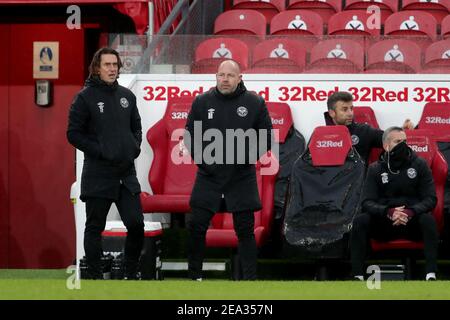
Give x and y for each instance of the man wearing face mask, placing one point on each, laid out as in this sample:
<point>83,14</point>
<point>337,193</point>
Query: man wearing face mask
<point>398,197</point>
<point>364,137</point>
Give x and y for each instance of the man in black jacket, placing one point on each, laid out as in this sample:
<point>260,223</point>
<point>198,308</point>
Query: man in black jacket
<point>104,123</point>
<point>399,195</point>
<point>226,178</point>
<point>364,137</point>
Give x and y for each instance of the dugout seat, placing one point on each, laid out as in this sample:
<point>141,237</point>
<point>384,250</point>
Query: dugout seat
<point>269,8</point>
<point>324,195</point>
<point>172,172</point>
<point>394,56</point>
<point>367,115</point>
<point>422,142</point>
<point>211,52</point>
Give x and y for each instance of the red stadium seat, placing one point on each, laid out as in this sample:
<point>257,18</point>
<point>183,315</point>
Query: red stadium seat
<point>240,22</point>
<point>326,8</point>
<point>421,141</point>
<point>268,8</point>
<point>438,8</point>
<point>336,56</point>
<point>297,22</point>
<point>390,6</point>
<point>437,57</point>
<point>416,23</point>
<point>210,53</point>
<point>436,118</point>
<point>367,115</point>
<point>172,172</point>
<point>394,56</point>
<point>282,121</point>
<point>353,23</point>
<point>284,55</point>
<point>445,27</point>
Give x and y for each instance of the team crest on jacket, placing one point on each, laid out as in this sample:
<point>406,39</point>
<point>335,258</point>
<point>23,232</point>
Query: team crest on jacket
<point>124,102</point>
<point>384,178</point>
<point>412,173</point>
<point>355,139</point>
<point>242,111</point>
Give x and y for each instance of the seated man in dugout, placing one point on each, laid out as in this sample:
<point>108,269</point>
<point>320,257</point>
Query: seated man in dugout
<point>398,198</point>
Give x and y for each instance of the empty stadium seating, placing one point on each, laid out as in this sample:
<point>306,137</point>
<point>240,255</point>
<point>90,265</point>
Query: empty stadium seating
<point>172,172</point>
<point>437,57</point>
<point>387,7</point>
<point>297,22</point>
<point>394,56</point>
<point>438,8</point>
<point>249,24</point>
<point>412,23</point>
<point>445,27</point>
<point>278,55</point>
<point>268,8</point>
<point>353,23</point>
<point>421,140</point>
<point>336,56</point>
<point>211,52</point>
<point>326,8</point>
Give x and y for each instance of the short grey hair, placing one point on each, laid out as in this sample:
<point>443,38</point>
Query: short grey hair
<point>388,131</point>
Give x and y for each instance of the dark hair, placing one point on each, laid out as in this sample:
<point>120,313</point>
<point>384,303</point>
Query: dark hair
<point>97,58</point>
<point>338,96</point>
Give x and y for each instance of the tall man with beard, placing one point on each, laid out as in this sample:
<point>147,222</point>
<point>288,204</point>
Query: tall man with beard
<point>222,185</point>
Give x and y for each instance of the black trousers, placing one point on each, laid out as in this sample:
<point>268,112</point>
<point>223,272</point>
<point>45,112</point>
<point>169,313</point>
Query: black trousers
<point>130,211</point>
<point>365,227</point>
<point>243,222</point>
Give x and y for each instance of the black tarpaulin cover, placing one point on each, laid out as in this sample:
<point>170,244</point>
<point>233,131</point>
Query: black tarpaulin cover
<point>322,201</point>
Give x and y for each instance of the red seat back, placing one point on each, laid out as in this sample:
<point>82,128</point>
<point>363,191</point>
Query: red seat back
<point>280,53</point>
<point>438,8</point>
<point>268,8</point>
<point>172,171</point>
<point>243,21</point>
<point>365,115</point>
<point>329,145</point>
<point>326,8</point>
<point>445,27</point>
<point>411,22</point>
<point>297,22</point>
<point>353,22</point>
<point>281,116</point>
<point>388,6</point>
<point>438,54</point>
<point>424,144</point>
<point>336,56</point>
<point>394,56</point>
<point>210,53</point>
<point>436,118</point>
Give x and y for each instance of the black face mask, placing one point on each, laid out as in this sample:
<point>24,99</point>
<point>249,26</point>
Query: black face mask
<point>398,155</point>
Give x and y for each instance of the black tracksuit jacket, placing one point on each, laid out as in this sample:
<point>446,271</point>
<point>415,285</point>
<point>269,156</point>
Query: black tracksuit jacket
<point>104,123</point>
<point>364,137</point>
<point>236,182</point>
<point>412,187</point>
